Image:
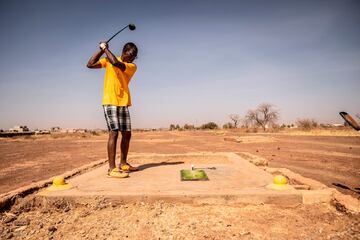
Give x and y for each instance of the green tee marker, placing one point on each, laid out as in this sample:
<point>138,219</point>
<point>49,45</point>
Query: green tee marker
<point>193,175</point>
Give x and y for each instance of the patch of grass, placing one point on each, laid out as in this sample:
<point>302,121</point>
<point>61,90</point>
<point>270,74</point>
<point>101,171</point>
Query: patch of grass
<point>193,175</point>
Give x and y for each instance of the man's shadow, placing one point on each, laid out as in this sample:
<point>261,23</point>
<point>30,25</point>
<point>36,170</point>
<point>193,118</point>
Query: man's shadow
<point>150,165</point>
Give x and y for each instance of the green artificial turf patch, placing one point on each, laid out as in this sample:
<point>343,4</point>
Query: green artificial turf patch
<point>193,175</point>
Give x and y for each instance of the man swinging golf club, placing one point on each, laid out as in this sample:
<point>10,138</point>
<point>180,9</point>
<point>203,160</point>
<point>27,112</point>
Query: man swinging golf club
<point>116,100</point>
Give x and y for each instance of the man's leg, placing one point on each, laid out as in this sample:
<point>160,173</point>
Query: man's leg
<point>125,143</point>
<point>111,147</point>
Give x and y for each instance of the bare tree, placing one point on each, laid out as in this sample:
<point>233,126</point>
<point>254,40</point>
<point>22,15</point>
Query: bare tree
<point>235,118</point>
<point>263,116</point>
<point>246,122</point>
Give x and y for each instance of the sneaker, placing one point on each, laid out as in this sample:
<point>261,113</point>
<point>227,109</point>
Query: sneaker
<point>115,173</point>
<point>128,168</point>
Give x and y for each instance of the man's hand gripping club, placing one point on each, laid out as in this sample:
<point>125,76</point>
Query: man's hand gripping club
<point>112,58</point>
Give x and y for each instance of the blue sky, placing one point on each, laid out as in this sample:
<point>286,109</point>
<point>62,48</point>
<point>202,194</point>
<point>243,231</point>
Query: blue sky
<point>199,61</point>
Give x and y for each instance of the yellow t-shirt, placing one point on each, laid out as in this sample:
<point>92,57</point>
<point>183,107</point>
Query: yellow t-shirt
<point>116,83</point>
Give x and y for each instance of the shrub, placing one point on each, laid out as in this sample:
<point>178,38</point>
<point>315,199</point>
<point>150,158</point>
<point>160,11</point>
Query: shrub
<point>175,127</point>
<point>94,133</point>
<point>209,125</point>
<point>306,124</point>
<point>189,127</point>
<point>228,126</point>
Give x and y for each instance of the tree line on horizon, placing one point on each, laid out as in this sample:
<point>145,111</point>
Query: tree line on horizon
<point>265,116</point>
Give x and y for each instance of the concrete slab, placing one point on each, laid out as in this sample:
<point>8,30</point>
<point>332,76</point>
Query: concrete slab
<point>234,181</point>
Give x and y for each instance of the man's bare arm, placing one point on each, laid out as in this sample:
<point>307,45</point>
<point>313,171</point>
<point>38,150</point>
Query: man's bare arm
<point>114,61</point>
<point>94,60</point>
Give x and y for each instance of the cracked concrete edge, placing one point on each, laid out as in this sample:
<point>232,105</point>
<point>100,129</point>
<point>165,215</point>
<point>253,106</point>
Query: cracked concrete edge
<point>9,198</point>
<point>314,185</point>
<point>320,193</point>
<point>254,159</point>
<point>351,204</point>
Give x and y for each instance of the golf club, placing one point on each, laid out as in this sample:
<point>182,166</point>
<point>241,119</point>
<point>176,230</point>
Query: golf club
<point>350,120</point>
<point>345,187</point>
<point>199,168</point>
<point>131,26</point>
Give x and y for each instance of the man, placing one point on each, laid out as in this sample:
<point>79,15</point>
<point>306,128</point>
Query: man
<point>116,100</point>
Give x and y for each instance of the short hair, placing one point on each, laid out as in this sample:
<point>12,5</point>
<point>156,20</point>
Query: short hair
<point>130,48</point>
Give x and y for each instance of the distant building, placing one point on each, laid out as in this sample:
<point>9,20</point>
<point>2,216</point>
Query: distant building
<point>19,129</point>
<point>67,130</point>
<point>80,130</point>
<point>55,129</point>
<point>40,132</point>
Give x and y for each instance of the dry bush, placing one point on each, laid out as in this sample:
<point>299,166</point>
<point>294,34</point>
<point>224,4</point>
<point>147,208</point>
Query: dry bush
<point>95,133</point>
<point>58,135</point>
<point>251,130</point>
<point>189,127</point>
<point>209,125</point>
<point>306,124</point>
<point>228,126</point>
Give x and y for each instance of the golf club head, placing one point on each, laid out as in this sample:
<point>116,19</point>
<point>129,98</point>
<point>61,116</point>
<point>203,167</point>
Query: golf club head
<point>350,120</point>
<point>132,26</point>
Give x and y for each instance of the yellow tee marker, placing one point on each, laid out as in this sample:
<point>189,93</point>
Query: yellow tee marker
<point>279,183</point>
<point>59,184</point>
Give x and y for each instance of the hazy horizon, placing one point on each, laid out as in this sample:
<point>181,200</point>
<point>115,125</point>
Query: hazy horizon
<point>198,61</point>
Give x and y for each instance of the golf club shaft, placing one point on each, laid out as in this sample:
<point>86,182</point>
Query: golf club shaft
<point>345,187</point>
<point>117,33</point>
<point>210,168</point>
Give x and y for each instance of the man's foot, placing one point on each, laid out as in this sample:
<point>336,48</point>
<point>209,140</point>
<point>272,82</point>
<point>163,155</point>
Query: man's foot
<point>128,168</point>
<point>116,173</point>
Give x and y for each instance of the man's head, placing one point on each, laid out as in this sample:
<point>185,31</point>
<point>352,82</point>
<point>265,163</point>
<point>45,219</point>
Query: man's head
<point>129,52</point>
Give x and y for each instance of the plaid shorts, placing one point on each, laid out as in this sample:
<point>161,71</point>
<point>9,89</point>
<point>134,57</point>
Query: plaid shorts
<point>117,118</point>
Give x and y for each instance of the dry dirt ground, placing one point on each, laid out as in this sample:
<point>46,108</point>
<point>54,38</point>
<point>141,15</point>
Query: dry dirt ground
<point>327,159</point>
<point>99,219</point>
